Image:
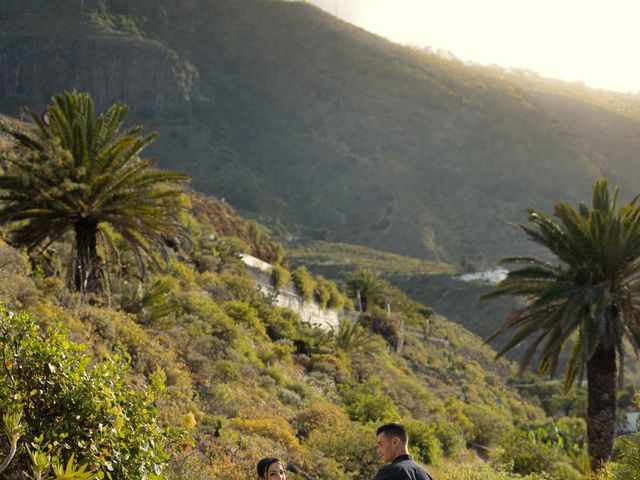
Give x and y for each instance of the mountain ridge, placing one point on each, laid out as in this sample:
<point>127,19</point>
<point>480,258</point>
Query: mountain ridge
<point>326,131</point>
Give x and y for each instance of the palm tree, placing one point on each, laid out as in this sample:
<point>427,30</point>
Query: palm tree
<point>586,300</point>
<point>365,286</point>
<point>350,335</point>
<point>79,174</point>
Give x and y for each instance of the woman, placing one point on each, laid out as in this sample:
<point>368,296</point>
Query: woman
<point>271,468</point>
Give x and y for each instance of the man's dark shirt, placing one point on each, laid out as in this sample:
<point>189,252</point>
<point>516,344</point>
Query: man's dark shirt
<point>403,468</point>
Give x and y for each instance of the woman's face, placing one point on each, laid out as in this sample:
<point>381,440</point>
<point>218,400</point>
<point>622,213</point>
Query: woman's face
<point>276,472</point>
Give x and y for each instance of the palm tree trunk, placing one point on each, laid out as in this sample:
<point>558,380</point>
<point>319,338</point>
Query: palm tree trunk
<point>86,268</point>
<point>601,410</point>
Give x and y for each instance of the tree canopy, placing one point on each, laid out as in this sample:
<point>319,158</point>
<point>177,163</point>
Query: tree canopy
<point>585,299</point>
<point>79,173</point>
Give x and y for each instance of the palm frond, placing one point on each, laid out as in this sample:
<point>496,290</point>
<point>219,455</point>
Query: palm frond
<point>589,295</point>
<point>88,172</point>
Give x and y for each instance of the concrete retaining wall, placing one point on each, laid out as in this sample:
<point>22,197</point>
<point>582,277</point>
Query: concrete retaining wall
<point>288,297</point>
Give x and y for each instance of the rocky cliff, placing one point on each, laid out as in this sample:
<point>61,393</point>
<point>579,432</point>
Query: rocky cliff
<point>39,59</point>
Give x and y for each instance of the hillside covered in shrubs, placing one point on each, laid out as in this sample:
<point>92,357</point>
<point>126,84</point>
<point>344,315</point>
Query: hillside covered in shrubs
<point>234,378</point>
<point>135,344</point>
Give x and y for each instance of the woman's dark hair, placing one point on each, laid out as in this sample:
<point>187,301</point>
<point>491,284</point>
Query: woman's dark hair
<point>264,464</point>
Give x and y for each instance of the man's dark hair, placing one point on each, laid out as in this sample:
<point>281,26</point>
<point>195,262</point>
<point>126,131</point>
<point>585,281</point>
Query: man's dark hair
<point>394,429</point>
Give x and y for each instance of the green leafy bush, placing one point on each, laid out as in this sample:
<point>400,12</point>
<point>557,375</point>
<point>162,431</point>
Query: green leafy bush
<point>241,287</point>
<point>627,464</point>
<point>303,282</point>
<point>242,313</point>
<point>335,366</point>
<point>289,397</point>
<point>450,437</point>
<point>490,425</point>
<point>272,426</point>
<point>423,445</point>
<point>230,249</point>
<point>320,415</point>
<point>279,277</point>
<point>525,455</point>
<point>390,327</point>
<point>280,323</point>
<point>322,291</point>
<point>558,448</point>
<point>352,447</point>
<point>72,409</point>
<point>367,402</point>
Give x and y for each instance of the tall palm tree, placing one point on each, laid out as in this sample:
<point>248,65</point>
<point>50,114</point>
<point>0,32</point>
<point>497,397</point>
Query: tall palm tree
<point>80,173</point>
<point>586,299</point>
<point>369,289</point>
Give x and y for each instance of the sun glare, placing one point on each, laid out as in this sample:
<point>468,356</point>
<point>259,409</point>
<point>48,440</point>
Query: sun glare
<point>590,41</point>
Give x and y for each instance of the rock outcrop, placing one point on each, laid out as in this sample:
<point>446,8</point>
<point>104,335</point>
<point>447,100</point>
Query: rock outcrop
<point>36,63</point>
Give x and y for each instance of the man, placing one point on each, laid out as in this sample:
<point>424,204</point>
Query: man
<point>393,443</point>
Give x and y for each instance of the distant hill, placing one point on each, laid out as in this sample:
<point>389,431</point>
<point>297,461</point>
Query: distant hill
<point>323,130</point>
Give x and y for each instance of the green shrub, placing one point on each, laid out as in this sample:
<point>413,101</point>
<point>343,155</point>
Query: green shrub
<point>352,447</point>
<point>303,282</point>
<point>71,409</point>
<point>242,313</point>
<point>234,456</point>
<point>241,287</point>
<point>367,402</point>
<point>320,415</point>
<point>450,437</point>
<point>270,426</point>
<point>322,291</point>
<point>231,248</point>
<point>456,417</point>
<point>280,350</point>
<point>424,445</point>
<point>280,323</point>
<point>390,327</point>
<point>335,366</point>
<point>302,389</point>
<point>226,371</point>
<point>337,301</point>
<point>627,460</point>
<point>279,277</point>
<point>558,448</point>
<point>289,397</point>
<point>276,374</point>
<point>568,433</point>
<point>490,425</point>
<point>525,455</point>
<point>564,470</point>
<point>627,454</point>
<point>212,284</point>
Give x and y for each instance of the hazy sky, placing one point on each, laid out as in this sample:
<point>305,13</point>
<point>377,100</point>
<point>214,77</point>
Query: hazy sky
<point>594,41</point>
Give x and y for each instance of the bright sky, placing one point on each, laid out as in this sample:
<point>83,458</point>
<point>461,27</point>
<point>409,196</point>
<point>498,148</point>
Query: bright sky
<point>594,41</point>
